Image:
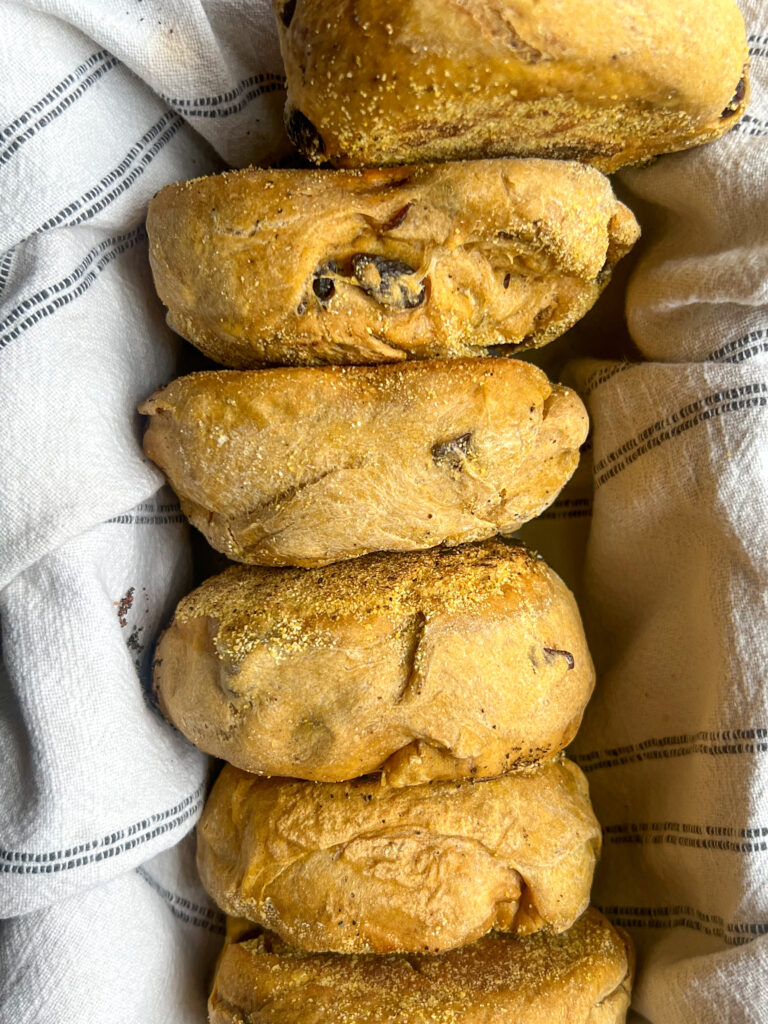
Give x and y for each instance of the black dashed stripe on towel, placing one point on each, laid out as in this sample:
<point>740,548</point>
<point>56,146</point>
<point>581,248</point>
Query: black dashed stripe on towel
<point>751,125</point>
<point>721,743</point>
<point>121,841</point>
<point>5,267</point>
<point>50,97</point>
<point>568,508</point>
<point>231,102</point>
<point>184,909</point>
<point>746,347</point>
<point>741,399</point>
<point>720,838</point>
<point>136,160</point>
<point>76,283</point>
<point>48,112</point>
<point>733,933</point>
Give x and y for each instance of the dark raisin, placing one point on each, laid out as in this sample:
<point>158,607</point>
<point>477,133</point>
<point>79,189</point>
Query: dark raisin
<point>454,452</point>
<point>553,652</point>
<point>605,273</point>
<point>304,135</point>
<point>736,99</point>
<point>324,286</point>
<point>386,281</point>
<point>287,13</point>
<point>396,219</point>
<point>545,314</point>
<point>507,279</point>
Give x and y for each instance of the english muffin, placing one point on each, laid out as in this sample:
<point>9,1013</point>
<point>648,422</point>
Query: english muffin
<point>358,867</point>
<point>315,465</point>
<point>302,267</point>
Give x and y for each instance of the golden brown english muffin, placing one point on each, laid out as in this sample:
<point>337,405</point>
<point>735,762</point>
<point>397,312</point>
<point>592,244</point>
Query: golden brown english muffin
<point>359,867</point>
<point>582,976</point>
<point>441,664</point>
<point>316,465</point>
<point>302,267</point>
<point>374,82</point>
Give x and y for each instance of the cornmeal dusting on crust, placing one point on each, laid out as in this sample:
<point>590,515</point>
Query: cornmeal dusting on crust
<point>250,603</point>
<point>400,81</point>
<point>452,663</point>
<point>538,978</point>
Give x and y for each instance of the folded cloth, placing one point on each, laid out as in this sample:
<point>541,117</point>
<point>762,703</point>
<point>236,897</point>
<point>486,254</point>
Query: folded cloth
<point>99,109</point>
<point>138,948</point>
<point>103,104</point>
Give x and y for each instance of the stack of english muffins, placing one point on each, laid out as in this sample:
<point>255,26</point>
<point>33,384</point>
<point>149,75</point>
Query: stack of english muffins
<point>397,835</point>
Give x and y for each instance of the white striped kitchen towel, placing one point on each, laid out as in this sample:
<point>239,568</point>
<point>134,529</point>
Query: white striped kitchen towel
<point>101,105</point>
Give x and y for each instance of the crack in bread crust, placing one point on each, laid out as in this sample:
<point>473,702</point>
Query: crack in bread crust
<point>426,665</point>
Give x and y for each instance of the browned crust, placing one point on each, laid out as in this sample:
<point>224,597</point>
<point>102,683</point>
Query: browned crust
<point>451,663</point>
<point>279,266</point>
<point>583,976</point>
<point>311,466</point>
<point>374,82</point>
<point>360,867</point>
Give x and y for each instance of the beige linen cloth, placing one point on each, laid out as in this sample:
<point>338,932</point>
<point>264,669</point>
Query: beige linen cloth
<point>663,534</point>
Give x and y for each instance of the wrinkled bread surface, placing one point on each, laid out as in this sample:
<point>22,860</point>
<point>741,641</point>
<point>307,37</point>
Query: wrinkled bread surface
<point>358,867</point>
<point>305,267</point>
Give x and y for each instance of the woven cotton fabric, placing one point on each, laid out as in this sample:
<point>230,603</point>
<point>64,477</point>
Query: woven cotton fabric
<point>663,533</point>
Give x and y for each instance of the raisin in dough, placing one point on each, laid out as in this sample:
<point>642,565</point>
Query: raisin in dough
<point>374,82</point>
<point>357,867</point>
<point>305,267</point>
<point>450,663</point>
<point>582,976</point>
<point>316,465</point>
